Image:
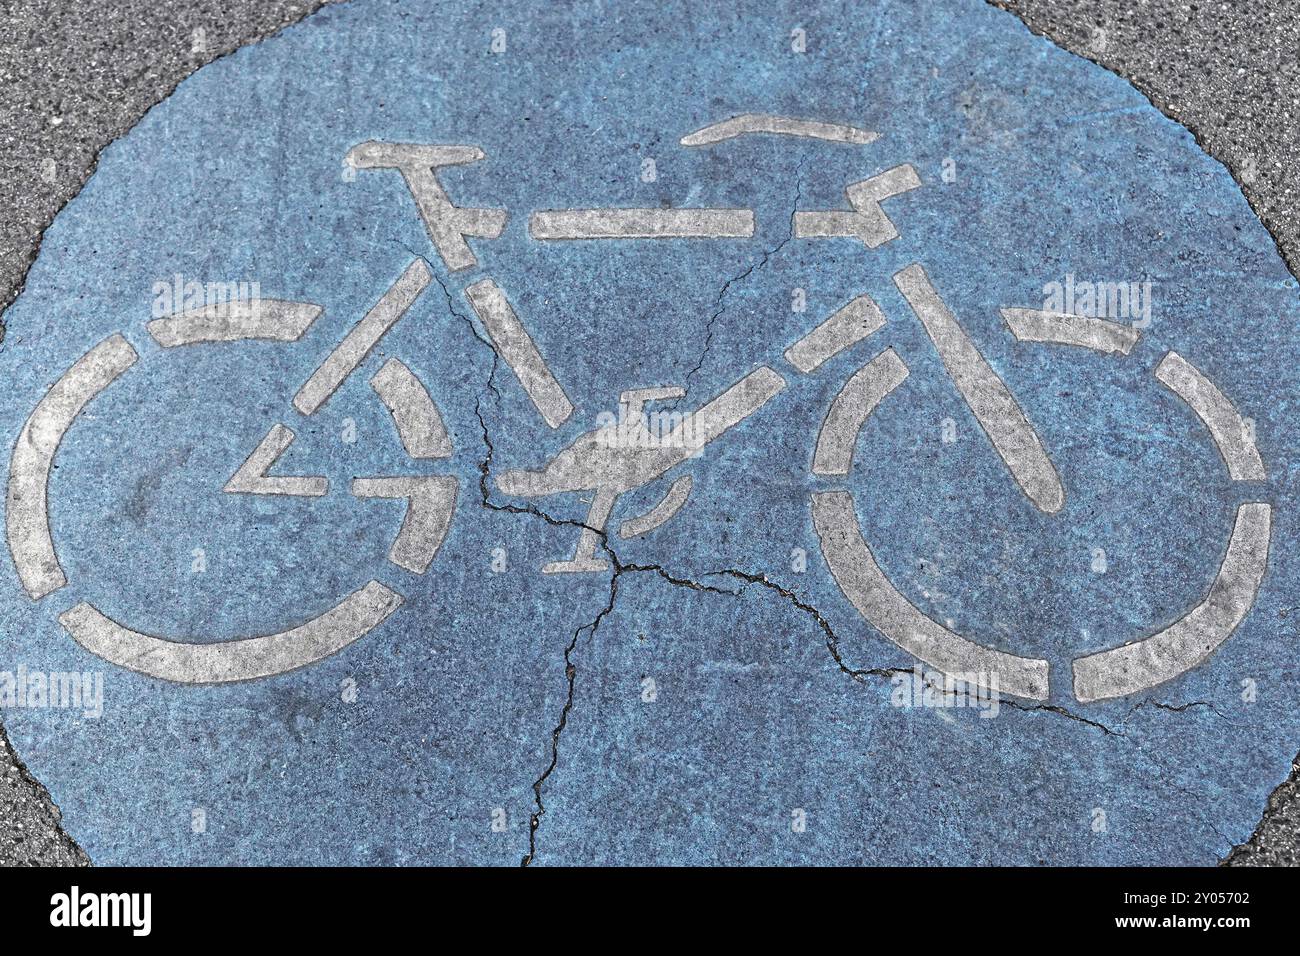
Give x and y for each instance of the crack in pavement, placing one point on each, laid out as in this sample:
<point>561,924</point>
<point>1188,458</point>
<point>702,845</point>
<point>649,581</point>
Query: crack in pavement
<point>720,302</point>
<point>832,640</point>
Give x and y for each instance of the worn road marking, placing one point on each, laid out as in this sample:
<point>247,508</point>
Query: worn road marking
<point>1228,429</point>
<point>642,224</point>
<point>848,326</point>
<point>415,416</point>
<point>430,502</point>
<point>1190,640</point>
<point>363,337</point>
<point>238,660</point>
<point>269,319</point>
<point>867,221</point>
<point>27,516</point>
<point>251,477</point>
<point>850,410</point>
<point>517,349</point>
<point>1064,328</point>
<point>780,125</point>
<point>987,395</point>
<point>671,503</point>
<point>447,225</point>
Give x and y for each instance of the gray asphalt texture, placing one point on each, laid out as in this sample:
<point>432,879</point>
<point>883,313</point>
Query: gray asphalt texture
<point>74,77</point>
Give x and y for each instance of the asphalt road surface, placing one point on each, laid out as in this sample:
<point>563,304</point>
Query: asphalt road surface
<point>75,77</point>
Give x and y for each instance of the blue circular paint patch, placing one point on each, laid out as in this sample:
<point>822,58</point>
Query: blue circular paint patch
<point>451,436</point>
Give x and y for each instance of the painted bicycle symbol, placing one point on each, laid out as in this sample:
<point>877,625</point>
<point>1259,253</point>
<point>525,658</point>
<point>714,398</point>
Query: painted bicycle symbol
<point>621,456</point>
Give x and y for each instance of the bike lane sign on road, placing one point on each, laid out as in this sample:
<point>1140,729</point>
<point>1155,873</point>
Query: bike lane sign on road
<point>470,434</point>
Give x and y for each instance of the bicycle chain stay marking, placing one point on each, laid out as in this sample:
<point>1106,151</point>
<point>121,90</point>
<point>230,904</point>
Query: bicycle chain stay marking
<point>252,479</point>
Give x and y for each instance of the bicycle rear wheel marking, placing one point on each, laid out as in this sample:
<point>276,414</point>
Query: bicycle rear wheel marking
<point>232,660</point>
<point>269,319</point>
<point>27,513</point>
<point>252,478</point>
<point>419,426</point>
